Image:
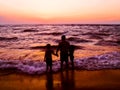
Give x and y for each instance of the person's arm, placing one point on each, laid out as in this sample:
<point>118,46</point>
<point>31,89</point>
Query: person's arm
<point>68,48</point>
<point>58,48</point>
<point>54,53</point>
<point>45,57</point>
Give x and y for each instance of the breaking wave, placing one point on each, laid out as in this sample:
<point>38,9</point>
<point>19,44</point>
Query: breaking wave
<point>8,38</point>
<point>105,61</point>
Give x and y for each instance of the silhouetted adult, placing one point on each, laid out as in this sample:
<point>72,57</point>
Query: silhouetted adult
<point>64,51</point>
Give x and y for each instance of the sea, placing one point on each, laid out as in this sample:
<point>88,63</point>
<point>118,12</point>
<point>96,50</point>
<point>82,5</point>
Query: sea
<point>22,46</point>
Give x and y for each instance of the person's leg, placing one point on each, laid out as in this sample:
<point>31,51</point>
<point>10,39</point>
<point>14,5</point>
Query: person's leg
<point>46,67</point>
<point>66,61</point>
<point>61,64</point>
<point>50,67</point>
<point>71,59</point>
<point>61,59</point>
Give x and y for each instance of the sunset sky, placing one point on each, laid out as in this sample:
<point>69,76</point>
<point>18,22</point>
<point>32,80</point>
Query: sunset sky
<point>59,11</point>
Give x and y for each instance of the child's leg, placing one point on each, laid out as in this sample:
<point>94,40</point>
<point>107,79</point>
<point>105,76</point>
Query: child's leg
<point>50,67</point>
<point>66,61</point>
<point>61,64</point>
<point>46,67</point>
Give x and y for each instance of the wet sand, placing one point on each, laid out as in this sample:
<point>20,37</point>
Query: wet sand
<point>66,80</point>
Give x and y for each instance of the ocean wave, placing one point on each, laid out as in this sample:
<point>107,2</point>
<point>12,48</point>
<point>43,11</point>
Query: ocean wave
<point>95,37</point>
<point>30,30</point>
<point>97,33</point>
<point>108,43</point>
<point>8,38</point>
<point>105,61</point>
<point>54,47</point>
<point>51,33</point>
<point>79,40</point>
<point>43,47</point>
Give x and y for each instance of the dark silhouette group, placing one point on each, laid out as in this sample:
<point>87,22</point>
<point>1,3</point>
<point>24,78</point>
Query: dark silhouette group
<point>66,53</point>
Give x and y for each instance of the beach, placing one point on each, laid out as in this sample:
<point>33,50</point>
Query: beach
<point>92,73</point>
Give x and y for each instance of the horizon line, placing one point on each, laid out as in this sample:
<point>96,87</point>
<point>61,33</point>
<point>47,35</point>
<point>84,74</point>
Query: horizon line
<point>63,24</point>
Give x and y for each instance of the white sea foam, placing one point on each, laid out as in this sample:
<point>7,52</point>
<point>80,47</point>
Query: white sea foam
<point>106,61</point>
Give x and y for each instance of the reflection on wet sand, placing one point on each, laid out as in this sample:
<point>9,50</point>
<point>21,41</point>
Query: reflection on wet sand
<point>49,81</point>
<point>67,80</point>
<point>84,80</point>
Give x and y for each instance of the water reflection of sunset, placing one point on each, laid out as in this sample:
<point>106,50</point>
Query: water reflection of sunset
<point>16,54</point>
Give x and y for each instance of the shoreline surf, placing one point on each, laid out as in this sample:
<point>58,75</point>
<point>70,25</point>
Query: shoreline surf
<point>109,60</point>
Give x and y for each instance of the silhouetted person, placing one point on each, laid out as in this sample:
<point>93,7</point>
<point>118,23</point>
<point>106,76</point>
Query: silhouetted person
<point>71,54</point>
<point>64,51</point>
<point>48,57</point>
<point>49,81</point>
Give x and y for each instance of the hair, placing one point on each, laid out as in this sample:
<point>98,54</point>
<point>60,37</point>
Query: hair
<point>63,37</point>
<point>48,46</point>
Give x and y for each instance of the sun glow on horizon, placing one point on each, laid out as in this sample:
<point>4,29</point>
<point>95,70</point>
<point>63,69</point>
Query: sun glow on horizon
<point>60,11</point>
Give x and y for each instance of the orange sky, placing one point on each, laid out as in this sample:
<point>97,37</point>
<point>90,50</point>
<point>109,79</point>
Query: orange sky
<point>59,11</point>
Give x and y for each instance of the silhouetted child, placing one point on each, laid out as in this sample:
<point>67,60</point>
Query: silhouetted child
<point>48,57</point>
<point>71,54</point>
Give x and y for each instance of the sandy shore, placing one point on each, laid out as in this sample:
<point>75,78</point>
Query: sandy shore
<point>66,80</point>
